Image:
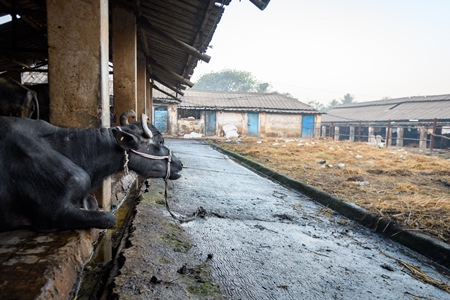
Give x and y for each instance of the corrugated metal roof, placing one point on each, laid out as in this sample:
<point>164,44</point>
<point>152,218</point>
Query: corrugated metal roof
<point>163,25</point>
<point>209,100</point>
<point>422,108</point>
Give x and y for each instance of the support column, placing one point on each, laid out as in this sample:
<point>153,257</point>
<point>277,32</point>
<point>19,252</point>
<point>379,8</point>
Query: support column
<point>371,135</point>
<point>141,83</point>
<point>78,63</point>
<point>400,136</point>
<point>423,138</point>
<point>78,68</point>
<point>352,134</point>
<point>336,133</point>
<point>388,136</point>
<point>124,60</point>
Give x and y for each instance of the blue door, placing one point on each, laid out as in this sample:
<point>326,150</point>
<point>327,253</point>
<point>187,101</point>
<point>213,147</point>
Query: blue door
<point>308,126</point>
<point>161,118</point>
<point>253,124</point>
<point>210,123</point>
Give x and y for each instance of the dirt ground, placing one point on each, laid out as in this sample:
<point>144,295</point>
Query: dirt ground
<point>404,185</point>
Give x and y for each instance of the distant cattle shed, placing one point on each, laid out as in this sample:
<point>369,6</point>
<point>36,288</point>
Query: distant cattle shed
<point>254,114</point>
<point>422,121</point>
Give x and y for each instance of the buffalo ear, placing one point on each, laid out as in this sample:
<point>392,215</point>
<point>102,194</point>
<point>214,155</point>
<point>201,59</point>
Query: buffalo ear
<point>125,140</point>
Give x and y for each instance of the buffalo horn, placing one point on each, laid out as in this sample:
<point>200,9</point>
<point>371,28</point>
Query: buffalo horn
<point>125,115</point>
<point>148,133</point>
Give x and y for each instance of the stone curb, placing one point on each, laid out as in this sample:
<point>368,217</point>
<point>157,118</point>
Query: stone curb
<point>431,247</point>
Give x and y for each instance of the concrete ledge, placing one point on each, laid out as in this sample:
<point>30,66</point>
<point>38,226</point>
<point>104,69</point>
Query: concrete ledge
<point>431,247</point>
<point>48,265</point>
<point>43,266</point>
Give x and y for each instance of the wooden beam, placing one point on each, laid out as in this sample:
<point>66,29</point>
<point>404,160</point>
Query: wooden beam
<point>36,13</point>
<point>167,85</point>
<point>144,23</point>
<point>166,93</point>
<point>172,74</point>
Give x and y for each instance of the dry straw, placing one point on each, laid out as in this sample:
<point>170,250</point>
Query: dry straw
<point>409,188</point>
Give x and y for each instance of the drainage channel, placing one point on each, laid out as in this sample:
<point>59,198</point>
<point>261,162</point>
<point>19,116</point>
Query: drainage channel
<point>99,273</point>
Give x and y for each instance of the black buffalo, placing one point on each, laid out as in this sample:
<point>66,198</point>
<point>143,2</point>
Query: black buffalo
<point>47,172</point>
<point>16,100</point>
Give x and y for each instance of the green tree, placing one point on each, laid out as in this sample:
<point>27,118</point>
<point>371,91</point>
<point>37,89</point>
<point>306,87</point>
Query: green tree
<point>347,99</point>
<point>231,81</point>
<point>330,105</point>
<point>317,105</point>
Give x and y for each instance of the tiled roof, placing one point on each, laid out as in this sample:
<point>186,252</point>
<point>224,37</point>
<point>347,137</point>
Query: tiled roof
<point>422,108</point>
<point>237,101</point>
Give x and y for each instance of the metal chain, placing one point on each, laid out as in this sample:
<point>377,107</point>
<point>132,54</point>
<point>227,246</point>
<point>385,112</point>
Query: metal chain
<point>125,165</point>
<point>182,219</point>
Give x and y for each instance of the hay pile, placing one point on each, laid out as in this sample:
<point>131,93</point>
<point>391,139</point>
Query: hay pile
<point>412,189</point>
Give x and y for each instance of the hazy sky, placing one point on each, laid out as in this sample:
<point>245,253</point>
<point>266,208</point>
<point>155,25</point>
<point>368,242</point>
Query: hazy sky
<point>321,50</point>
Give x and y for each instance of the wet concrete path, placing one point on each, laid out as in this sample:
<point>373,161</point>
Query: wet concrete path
<point>264,241</point>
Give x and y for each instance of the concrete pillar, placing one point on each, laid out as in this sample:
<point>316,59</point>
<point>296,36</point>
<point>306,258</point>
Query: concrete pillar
<point>371,135</point>
<point>78,63</point>
<point>423,138</point>
<point>141,83</point>
<point>78,49</point>
<point>124,60</point>
<point>324,131</point>
<point>389,136</point>
<point>336,133</point>
<point>352,134</point>
<point>400,136</point>
<point>172,119</point>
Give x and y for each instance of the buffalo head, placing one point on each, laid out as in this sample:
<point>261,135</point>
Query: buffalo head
<point>145,151</point>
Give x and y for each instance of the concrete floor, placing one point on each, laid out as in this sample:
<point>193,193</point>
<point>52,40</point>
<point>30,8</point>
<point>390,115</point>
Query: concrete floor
<point>260,240</point>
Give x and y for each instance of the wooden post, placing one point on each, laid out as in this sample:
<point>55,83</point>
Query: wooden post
<point>149,100</point>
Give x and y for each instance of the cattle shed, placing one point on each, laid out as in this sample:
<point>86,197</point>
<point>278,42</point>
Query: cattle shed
<point>84,50</point>
<point>419,121</point>
<point>253,114</point>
